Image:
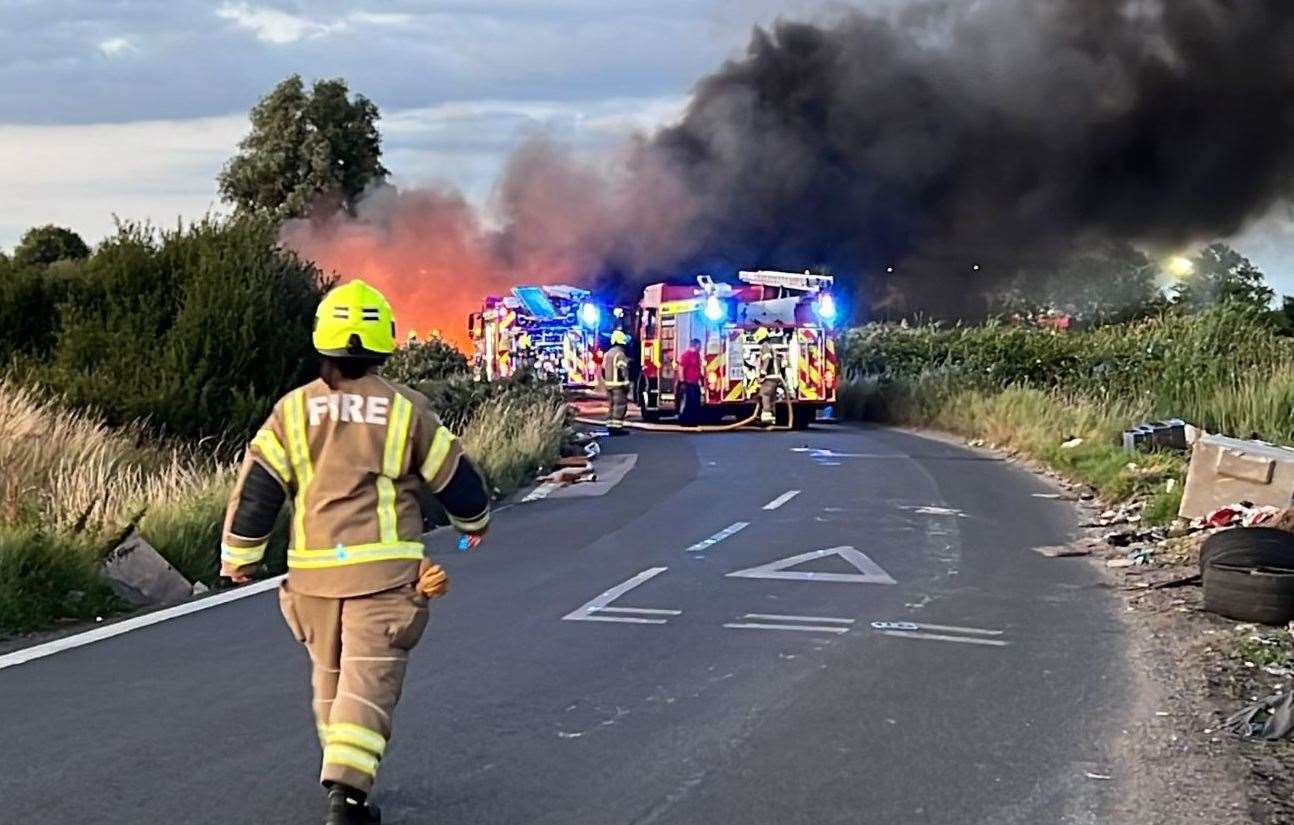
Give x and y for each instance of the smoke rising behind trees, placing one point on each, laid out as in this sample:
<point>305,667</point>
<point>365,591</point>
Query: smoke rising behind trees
<point>932,156</point>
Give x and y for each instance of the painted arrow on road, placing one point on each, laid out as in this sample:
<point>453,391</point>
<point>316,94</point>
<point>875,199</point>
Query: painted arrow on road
<point>869,572</point>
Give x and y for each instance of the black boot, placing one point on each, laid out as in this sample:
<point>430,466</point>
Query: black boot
<point>346,807</point>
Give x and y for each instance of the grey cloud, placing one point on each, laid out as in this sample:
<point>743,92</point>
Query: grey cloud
<point>186,60</point>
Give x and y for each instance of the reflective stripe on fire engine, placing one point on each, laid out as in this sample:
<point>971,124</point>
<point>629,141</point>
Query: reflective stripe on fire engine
<point>343,555</point>
<point>397,437</point>
<point>736,392</point>
<point>299,453</point>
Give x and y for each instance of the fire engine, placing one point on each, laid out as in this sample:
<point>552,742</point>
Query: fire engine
<point>799,311</point>
<point>553,329</point>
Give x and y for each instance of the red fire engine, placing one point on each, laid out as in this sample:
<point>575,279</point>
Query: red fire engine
<point>553,329</point>
<point>798,310</point>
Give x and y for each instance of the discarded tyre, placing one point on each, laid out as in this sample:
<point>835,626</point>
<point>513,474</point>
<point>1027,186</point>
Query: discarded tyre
<point>1249,547</point>
<point>1248,575</point>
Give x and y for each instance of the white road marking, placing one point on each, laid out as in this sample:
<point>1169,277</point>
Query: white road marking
<point>782,499</point>
<point>869,572</point>
<point>954,629</point>
<point>642,611</point>
<point>19,657</point>
<point>913,630</point>
<point>819,629</point>
<point>967,640</point>
<point>804,627</point>
<point>590,611</point>
<point>730,530</point>
<point>779,617</point>
<point>936,511</point>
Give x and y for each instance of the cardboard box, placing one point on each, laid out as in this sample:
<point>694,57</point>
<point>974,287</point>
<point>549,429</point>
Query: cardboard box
<point>1229,470</point>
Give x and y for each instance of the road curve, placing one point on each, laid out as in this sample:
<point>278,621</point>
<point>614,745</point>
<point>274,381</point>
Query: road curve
<point>767,697</point>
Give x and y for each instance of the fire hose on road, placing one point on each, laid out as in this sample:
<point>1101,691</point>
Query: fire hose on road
<point>700,428</point>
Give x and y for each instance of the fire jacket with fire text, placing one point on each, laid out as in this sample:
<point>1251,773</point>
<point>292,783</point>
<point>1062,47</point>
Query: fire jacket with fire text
<point>353,460</point>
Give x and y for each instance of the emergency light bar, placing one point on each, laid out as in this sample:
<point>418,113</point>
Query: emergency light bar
<point>805,282</point>
<point>535,302</point>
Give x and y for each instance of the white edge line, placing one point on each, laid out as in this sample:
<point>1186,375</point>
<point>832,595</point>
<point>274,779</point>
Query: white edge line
<point>778,617</point>
<point>906,634</point>
<point>782,499</point>
<point>19,657</point>
<point>806,627</point>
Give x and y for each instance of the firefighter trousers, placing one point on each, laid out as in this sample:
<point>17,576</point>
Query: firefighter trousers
<point>768,400</point>
<point>617,407</point>
<point>359,649</point>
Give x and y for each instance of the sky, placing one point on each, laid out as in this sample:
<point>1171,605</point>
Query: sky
<point>127,109</point>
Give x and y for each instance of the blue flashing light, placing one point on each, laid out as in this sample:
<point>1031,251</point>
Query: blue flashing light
<point>590,315</point>
<point>826,307</point>
<point>714,308</point>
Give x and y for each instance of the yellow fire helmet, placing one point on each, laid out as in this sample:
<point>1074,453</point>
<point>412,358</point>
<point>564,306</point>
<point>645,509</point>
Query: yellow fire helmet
<point>619,338</point>
<point>761,335</point>
<point>354,320</point>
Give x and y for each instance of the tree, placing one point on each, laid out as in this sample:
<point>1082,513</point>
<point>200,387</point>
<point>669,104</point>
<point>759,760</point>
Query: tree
<point>1221,275</point>
<point>44,245</point>
<point>305,150</point>
<point>1095,284</point>
<point>197,330</point>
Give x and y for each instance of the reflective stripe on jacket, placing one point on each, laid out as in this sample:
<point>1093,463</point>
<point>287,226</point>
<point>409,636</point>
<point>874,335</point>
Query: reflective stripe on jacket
<point>615,367</point>
<point>351,461</point>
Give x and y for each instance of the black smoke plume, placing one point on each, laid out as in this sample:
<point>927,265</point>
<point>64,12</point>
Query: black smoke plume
<point>952,141</point>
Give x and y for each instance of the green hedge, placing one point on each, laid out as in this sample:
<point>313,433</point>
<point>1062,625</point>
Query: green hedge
<point>1227,369</point>
<point>196,330</point>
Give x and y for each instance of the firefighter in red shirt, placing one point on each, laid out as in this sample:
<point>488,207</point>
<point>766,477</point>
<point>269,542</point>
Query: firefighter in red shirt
<point>689,391</point>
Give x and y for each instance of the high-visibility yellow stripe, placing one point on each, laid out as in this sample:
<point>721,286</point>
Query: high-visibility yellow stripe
<point>351,758</point>
<point>272,451</point>
<point>386,517</point>
<point>397,434</point>
<point>355,554</point>
<point>242,555</point>
<point>397,438</point>
<point>477,524</point>
<point>344,733</point>
<point>299,452</point>
<point>440,445</point>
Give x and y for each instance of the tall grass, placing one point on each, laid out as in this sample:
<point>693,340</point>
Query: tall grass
<point>1031,390</point>
<point>510,437</point>
<point>71,485</point>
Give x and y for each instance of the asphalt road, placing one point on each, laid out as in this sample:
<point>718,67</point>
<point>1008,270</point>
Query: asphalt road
<point>513,714</point>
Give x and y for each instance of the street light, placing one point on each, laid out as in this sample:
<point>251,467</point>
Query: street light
<point>1180,267</point>
<point>590,315</point>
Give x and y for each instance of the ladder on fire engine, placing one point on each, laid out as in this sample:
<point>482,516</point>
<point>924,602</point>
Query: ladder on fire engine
<point>804,282</point>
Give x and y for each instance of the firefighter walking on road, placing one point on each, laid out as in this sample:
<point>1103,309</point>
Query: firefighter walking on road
<point>352,450</point>
<point>769,368</point>
<point>615,375</point>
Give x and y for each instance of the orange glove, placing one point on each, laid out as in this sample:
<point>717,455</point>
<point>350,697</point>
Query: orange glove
<point>433,582</point>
